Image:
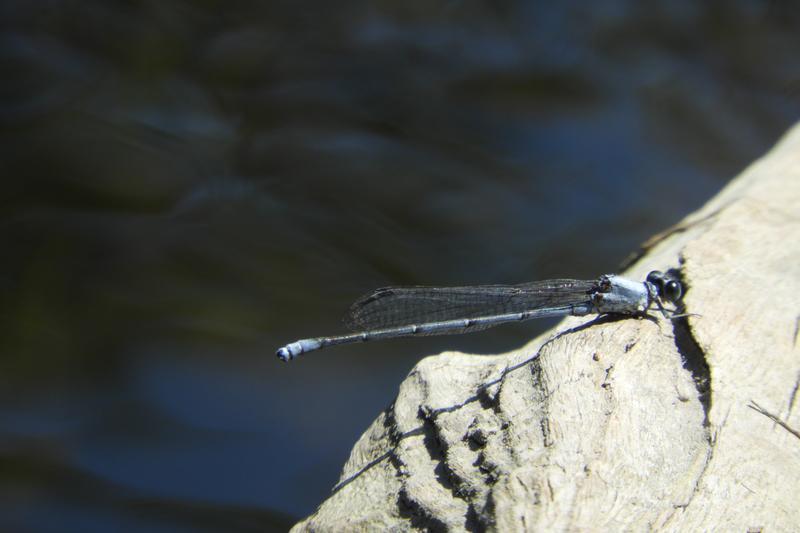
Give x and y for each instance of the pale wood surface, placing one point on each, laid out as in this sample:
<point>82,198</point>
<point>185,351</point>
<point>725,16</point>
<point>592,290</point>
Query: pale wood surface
<point>684,425</point>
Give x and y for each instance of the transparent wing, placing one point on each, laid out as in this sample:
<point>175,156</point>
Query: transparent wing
<point>402,306</point>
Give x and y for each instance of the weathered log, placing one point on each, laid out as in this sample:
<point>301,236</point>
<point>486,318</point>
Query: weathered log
<point>691,424</point>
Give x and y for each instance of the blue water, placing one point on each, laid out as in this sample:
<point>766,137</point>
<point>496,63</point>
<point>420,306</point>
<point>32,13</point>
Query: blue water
<point>189,185</point>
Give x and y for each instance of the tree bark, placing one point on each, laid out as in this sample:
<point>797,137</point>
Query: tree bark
<point>690,424</point>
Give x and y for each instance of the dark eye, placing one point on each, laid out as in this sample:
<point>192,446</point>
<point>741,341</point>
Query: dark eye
<point>656,277</point>
<point>672,291</point>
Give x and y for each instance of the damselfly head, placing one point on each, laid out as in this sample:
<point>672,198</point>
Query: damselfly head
<point>669,289</point>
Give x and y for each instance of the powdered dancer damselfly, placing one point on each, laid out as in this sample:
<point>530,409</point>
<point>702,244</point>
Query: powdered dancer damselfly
<point>407,311</point>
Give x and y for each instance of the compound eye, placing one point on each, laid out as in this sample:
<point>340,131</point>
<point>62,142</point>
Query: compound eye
<point>656,277</point>
<point>672,291</point>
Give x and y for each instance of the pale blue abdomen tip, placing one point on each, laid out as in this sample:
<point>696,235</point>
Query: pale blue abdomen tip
<point>283,354</point>
<point>292,350</point>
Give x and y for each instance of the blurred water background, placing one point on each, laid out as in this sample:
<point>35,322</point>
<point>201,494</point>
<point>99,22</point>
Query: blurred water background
<point>188,185</point>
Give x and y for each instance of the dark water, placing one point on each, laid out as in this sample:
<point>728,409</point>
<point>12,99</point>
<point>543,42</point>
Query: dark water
<point>188,185</point>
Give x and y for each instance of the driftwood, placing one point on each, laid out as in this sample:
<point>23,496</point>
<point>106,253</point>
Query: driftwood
<point>689,424</point>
